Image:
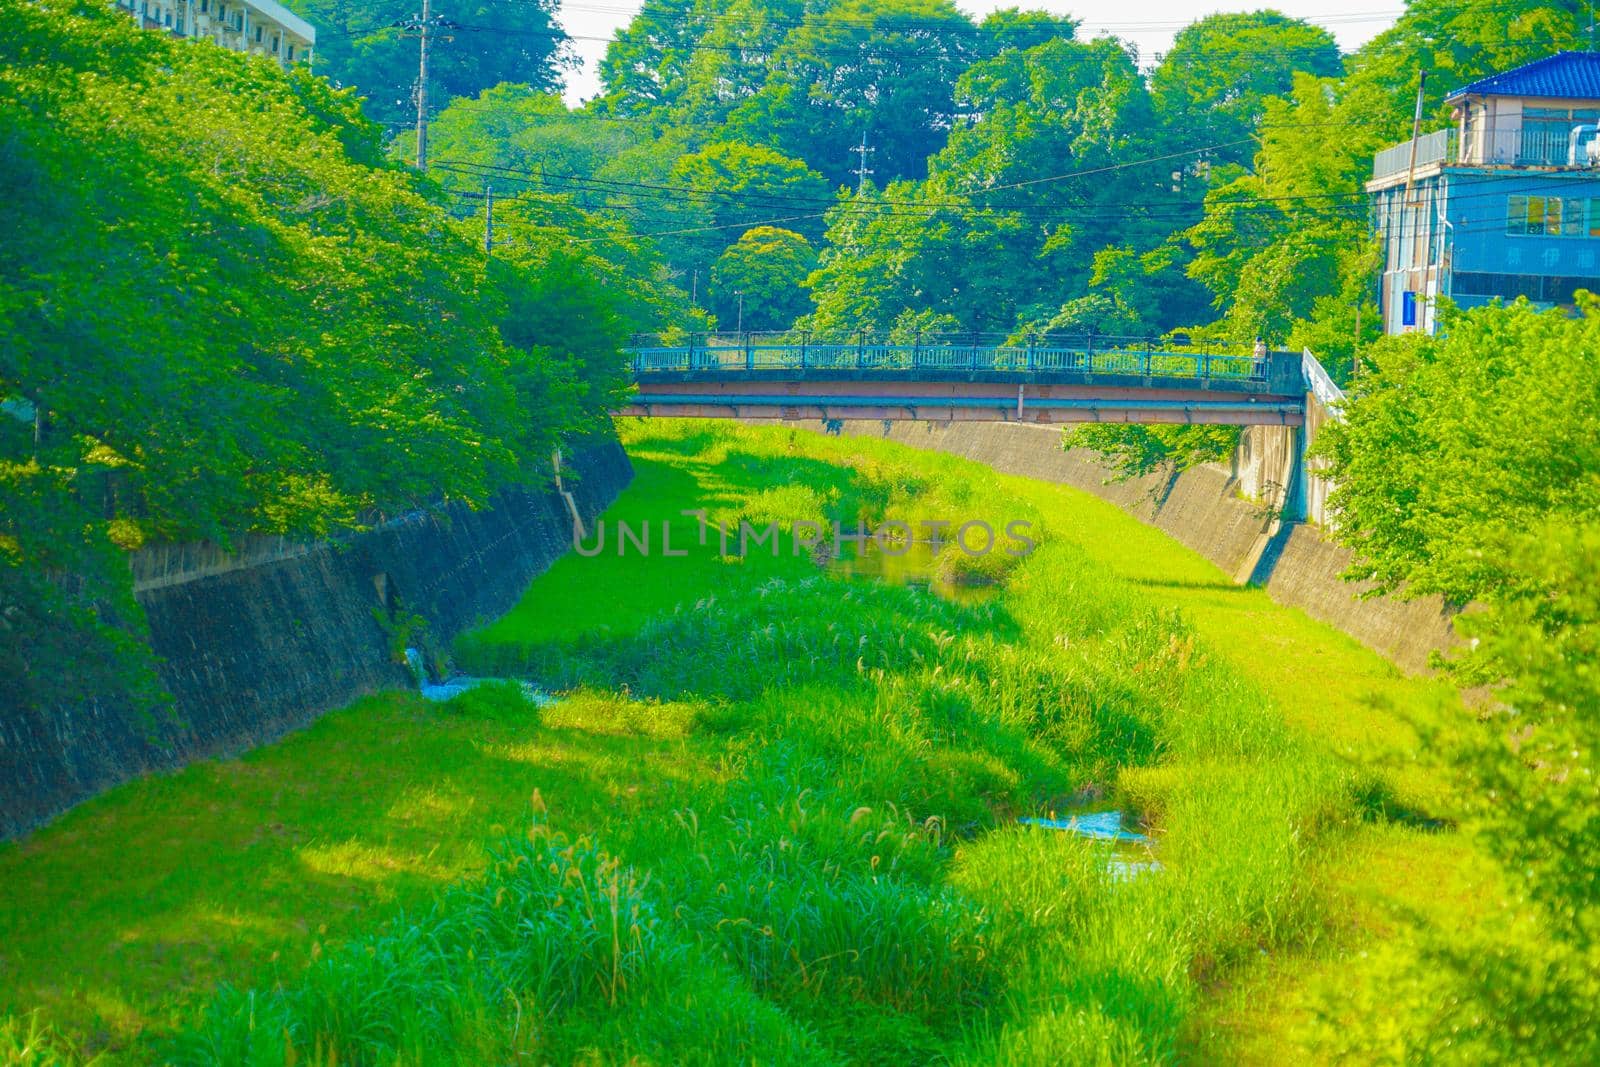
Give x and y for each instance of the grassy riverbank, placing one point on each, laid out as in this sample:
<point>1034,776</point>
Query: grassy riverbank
<point>777,820</point>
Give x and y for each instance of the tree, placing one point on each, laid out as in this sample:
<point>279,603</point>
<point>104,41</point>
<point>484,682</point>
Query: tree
<point>1212,84</point>
<point>912,249</point>
<point>1011,28</point>
<point>645,70</point>
<point>732,60</point>
<point>1468,466</point>
<point>224,312</point>
<point>1459,441</point>
<point>490,42</point>
<point>768,267</point>
<point>883,69</point>
<point>1002,227</point>
<point>518,137</point>
<point>741,186</point>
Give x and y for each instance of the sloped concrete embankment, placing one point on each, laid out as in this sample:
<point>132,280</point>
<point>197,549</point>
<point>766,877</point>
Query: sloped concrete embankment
<point>263,640</point>
<point>1209,508</point>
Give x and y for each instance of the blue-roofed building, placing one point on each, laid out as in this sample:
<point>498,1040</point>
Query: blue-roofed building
<point>1502,204</point>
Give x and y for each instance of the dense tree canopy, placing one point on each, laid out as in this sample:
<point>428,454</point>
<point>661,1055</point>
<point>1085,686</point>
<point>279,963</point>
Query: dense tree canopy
<point>1213,83</point>
<point>1469,465</point>
<point>760,281</point>
<point>484,42</point>
<point>222,311</point>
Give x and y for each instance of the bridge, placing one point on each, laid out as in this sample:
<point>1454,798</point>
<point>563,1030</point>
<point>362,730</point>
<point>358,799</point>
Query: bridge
<point>1088,379</point>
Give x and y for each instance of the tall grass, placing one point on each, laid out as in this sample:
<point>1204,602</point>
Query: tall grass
<point>850,884</point>
<point>859,869</point>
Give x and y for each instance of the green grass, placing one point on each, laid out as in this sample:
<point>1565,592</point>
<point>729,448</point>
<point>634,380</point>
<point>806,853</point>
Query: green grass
<point>775,818</point>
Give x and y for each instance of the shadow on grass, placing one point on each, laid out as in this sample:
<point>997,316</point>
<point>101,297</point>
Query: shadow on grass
<point>1178,583</point>
<point>1376,801</point>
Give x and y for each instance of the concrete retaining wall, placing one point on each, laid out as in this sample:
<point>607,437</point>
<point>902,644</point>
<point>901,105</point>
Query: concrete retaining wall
<point>263,640</point>
<point>1206,509</point>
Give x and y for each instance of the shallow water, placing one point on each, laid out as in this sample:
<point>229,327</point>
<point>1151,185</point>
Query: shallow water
<point>1098,825</point>
<point>916,566</point>
<point>457,684</point>
<point>1132,853</point>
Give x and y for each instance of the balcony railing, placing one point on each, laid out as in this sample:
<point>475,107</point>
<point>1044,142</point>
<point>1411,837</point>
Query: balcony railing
<point>1544,147</point>
<point>1436,147</point>
<point>1541,145</point>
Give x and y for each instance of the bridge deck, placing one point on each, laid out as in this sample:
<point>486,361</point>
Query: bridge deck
<point>950,382</point>
<point>1031,360</point>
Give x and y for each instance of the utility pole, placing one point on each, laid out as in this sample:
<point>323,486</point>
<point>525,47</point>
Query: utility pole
<point>421,91</point>
<point>1355,350</point>
<point>423,26</point>
<point>862,170</point>
<point>740,327</point>
<point>488,218</point>
<point>1416,133</point>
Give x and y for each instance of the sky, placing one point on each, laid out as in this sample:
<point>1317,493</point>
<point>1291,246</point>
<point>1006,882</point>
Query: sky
<point>1149,24</point>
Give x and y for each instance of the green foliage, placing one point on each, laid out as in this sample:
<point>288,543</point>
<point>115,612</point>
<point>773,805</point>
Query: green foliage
<point>769,267</point>
<point>29,1041</point>
<point>360,47</point>
<point>1285,248</point>
<point>523,132</point>
<point>1467,467</point>
<point>1213,83</point>
<point>854,867</point>
<point>896,253</point>
<point>835,868</point>
<point>1460,442</point>
<point>742,185</point>
<point>886,69</point>
<point>646,65</point>
<point>225,313</point>
<point>552,924</point>
<point>1134,450</point>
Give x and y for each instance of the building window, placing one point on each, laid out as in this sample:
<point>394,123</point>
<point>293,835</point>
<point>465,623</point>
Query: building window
<point>1540,288</point>
<point>1572,222</point>
<point>1547,133</point>
<point>1535,225</point>
<point>1552,216</point>
<point>291,53</point>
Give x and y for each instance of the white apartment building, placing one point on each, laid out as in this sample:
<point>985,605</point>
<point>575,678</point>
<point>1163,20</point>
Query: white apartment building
<point>259,27</point>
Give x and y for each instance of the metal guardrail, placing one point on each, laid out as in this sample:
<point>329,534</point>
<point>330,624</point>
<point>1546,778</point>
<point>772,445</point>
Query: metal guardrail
<point>867,356</point>
<point>1320,384</point>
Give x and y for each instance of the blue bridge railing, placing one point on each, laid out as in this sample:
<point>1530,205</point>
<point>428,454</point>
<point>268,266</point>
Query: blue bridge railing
<point>1148,362</point>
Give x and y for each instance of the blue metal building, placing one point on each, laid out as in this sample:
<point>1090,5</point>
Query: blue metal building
<point>1505,203</point>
